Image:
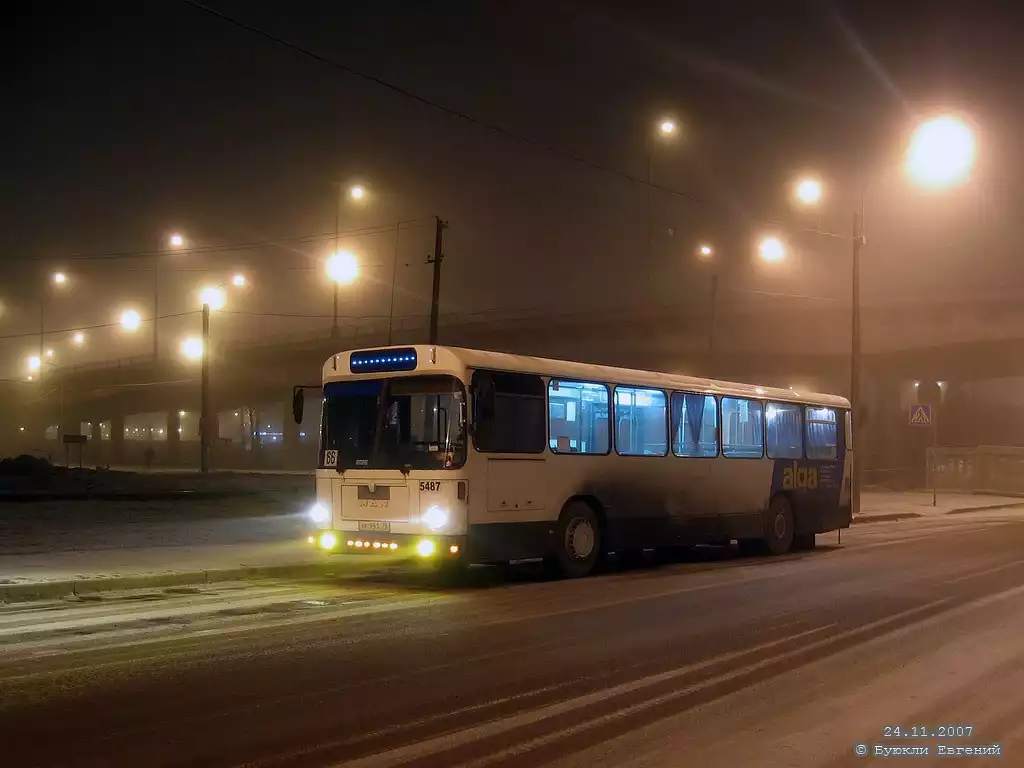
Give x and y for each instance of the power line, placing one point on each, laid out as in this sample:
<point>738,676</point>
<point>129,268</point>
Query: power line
<point>98,326</point>
<point>465,117</point>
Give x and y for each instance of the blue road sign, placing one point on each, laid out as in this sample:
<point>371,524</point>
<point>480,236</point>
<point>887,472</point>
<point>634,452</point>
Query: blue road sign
<point>920,415</point>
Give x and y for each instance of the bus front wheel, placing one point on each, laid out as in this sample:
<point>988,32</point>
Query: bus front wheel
<point>579,541</point>
<point>778,535</point>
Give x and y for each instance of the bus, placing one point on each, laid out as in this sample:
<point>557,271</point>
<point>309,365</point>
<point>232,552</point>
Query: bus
<point>466,456</point>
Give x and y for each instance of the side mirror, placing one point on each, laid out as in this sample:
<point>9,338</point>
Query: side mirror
<point>298,404</point>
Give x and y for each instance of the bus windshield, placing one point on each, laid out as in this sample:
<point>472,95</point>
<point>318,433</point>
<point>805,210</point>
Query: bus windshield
<point>411,422</point>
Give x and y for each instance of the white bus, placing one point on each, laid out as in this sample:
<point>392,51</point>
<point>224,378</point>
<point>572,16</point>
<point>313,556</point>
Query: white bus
<point>485,457</point>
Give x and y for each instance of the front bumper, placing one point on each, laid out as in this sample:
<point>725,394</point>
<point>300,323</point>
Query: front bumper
<point>366,543</point>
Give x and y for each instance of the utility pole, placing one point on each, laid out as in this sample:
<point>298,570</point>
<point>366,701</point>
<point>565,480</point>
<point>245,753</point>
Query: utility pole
<point>711,324</point>
<point>855,406</point>
<point>205,417</point>
<point>337,232</point>
<point>394,278</point>
<point>435,294</point>
<point>156,306</point>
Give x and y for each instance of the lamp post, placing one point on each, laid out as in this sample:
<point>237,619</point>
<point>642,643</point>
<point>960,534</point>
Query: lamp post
<point>666,129</point>
<point>940,154</point>
<point>342,268</point>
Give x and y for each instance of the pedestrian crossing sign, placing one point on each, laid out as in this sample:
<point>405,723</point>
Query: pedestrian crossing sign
<point>920,415</point>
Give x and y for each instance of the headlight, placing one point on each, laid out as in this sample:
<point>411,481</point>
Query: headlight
<point>328,541</point>
<point>319,514</point>
<point>435,518</point>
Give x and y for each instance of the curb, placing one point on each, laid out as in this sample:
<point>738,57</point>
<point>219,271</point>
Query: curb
<point>886,518</point>
<point>50,590</point>
<point>965,510</point>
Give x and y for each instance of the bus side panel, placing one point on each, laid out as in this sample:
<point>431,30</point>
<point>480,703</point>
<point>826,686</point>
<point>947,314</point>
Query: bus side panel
<point>817,489</point>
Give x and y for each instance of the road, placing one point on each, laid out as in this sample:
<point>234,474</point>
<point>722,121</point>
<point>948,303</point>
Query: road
<point>716,661</point>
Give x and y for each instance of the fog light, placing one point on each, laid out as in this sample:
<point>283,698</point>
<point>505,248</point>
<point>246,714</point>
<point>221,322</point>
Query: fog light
<point>454,549</point>
<point>328,540</point>
<point>392,545</point>
<point>359,544</point>
<point>376,545</point>
<point>311,539</point>
<point>425,548</point>
<point>349,543</point>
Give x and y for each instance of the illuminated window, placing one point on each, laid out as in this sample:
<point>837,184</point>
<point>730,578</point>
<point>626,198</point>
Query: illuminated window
<point>785,439</point>
<point>694,425</point>
<point>742,428</point>
<point>587,430</point>
<point>822,437</point>
<point>640,424</point>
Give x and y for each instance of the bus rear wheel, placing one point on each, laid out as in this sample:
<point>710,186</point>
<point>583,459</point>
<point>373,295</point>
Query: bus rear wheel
<point>579,541</point>
<point>778,535</point>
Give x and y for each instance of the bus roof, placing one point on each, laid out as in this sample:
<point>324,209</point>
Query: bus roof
<point>455,359</point>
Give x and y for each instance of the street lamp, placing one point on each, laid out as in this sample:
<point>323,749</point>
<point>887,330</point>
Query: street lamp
<point>176,240</point>
<point>940,153</point>
<point>771,250</point>
<point>192,349</point>
<point>342,268</point>
<point>357,192</point>
<point>238,280</point>
<point>59,278</point>
<point>131,320</point>
<point>808,191</point>
<point>213,296</point>
<point>705,251</point>
<point>35,363</point>
<point>78,338</point>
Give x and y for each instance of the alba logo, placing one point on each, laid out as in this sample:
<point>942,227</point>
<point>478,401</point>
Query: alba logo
<point>797,477</point>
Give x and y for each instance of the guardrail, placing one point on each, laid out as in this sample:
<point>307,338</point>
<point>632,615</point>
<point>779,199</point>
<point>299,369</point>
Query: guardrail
<point>982,469</point>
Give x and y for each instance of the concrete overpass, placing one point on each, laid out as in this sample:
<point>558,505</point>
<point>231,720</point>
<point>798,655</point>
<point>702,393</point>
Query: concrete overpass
<point>956,343</point>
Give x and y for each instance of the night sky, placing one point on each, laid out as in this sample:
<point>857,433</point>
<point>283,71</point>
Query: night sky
<point>127,121</point>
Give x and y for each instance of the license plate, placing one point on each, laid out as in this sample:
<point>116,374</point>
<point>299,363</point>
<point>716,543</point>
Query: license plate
<point>373,525</point>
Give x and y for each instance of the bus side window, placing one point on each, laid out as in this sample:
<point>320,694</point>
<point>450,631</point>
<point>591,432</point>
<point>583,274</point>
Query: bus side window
<point>508,412</point>
<point>822,436</point>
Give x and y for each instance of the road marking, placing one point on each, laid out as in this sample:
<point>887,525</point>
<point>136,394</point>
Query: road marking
<point>497,727</point>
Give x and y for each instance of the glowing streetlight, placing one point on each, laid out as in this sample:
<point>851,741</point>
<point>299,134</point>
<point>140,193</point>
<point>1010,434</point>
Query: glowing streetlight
<point>705,251</point>
<point>342,267</point>
<point>771,250</point>
<point>192,349</point>
<point>941,152</point>
<point>176,240</point>
<point>667,127</point>
<point>131,320</point>
<point>808,191</point>
<point>59,278</point>
<point>78,338</point>
<point>357,192</point>
<point>238,280</point>
<point>213,296</point>
<point>34,363</point>
<point>49,353</point>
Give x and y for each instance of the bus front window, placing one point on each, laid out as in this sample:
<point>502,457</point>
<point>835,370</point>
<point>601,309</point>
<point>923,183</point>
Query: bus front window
<point>413,422</point>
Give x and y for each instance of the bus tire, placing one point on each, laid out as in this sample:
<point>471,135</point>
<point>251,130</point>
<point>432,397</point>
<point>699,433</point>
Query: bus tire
<point>803,542</point>
<point>579,540</point>
<point>778,534</point>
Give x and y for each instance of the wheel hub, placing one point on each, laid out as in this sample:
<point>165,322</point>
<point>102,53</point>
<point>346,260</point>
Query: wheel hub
<point>780,526</point>
<point>580,539</point>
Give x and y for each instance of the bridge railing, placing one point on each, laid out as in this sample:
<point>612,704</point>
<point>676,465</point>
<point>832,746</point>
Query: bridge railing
<point>982,469</point>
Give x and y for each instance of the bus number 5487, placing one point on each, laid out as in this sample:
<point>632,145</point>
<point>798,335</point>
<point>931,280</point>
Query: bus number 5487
<point>430,485</point>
